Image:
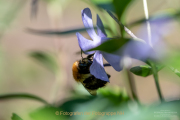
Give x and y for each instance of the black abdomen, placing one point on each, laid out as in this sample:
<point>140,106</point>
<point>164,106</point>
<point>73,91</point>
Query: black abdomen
<point>93,83</point>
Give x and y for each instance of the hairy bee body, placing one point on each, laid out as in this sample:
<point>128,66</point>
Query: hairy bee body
<point>82,74</point>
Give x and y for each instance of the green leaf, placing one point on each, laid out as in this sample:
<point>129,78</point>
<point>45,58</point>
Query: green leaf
<point>176,71</point>
<point>106,98</point>
<point>104,104</point>
<point>163,111</point>
<point>113,16</point>
<point>48,113</point>
<point>46,60</point>
<point>120,7</point>
<point>22,95</point>
<point>105,4</point>
<point>101,1</point>
<point>173,61</point>
<point>124,28</point>
<point>111,45</point>
<point>15,117</point>
<point>165,15</point>
<point>144,70</point>
<point>71,104</point>
<point>115,94</point>
<point>130,109</point>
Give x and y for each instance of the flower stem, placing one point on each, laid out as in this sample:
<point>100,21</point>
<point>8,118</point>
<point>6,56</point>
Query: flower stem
<point>154,69</point>
<point>155,75</point>
<point>122,31</point>
<point>132,85</point>
<point>128,65</point>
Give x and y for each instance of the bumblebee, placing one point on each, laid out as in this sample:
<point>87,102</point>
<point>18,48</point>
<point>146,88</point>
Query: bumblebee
<point>81,73</point>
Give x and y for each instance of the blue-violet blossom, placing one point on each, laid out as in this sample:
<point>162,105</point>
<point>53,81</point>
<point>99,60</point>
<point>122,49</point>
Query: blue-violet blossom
<point>97,68</point>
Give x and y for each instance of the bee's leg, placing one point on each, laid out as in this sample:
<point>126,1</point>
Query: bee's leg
<point>106,65</point>
<point>90,56</point>
<point>81,54</point>
<point>108,75</point>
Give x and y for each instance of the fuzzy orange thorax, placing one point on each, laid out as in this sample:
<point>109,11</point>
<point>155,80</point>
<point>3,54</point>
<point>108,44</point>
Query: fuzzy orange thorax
<point>76,71</point>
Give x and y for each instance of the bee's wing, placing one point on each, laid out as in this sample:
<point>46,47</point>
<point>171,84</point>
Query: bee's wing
<point>92,92</point>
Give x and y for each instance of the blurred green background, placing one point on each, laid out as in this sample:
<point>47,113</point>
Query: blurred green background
<point>42,64</point>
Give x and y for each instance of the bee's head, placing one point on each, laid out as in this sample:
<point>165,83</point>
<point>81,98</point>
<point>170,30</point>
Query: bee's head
<point>85,63</point>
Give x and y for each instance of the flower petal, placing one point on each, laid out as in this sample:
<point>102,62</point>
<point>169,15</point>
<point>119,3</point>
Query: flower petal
<point>113,60</point>
<point>87,21</point>
<point>85,44</point>
<point>160,28</point>
<point>100,28</point>
<point>97,68</point>
<point>138,50</point>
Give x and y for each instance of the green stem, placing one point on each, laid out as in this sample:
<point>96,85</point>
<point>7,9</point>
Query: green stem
<point>154,69</point>
<point>155,75</point>
<point>129,75</point>
<point>122,31</point>
<point>22,95</point>
<point>132,85</point>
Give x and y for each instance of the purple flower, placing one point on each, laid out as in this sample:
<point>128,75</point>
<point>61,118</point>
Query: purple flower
<point>160,28</point>
<point>154,49</point>
<point>142,48</point>
<point>97,68</point>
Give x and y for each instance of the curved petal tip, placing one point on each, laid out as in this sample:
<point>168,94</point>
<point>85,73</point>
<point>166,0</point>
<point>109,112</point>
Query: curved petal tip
<point>97,68</point>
